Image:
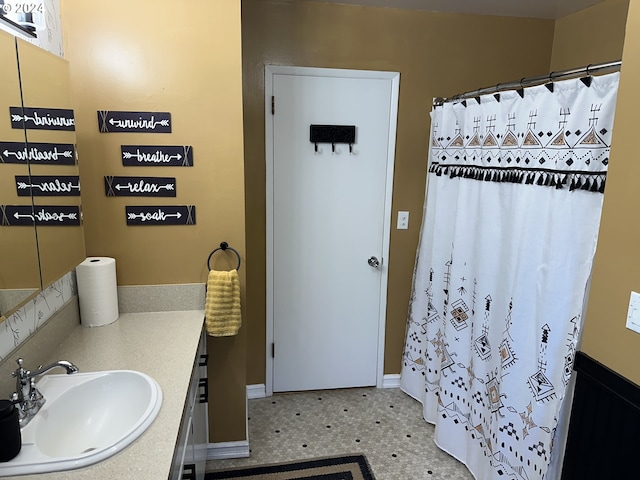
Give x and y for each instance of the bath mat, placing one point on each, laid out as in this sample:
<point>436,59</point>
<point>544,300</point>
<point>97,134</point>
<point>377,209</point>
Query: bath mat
<point>352,467</point>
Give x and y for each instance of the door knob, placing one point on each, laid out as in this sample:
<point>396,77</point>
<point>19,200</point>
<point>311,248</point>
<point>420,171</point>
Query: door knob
<point>373,262</point>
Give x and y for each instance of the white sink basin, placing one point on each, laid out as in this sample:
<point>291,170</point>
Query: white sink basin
<point>87,417</point>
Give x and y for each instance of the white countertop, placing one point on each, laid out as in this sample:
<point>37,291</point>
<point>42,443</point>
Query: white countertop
<point>161,344</point>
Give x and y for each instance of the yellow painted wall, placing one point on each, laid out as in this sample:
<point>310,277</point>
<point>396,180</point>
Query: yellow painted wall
<point>616,269</point>
<point>436,54</point>
<point>593,35</point>
<point>183,58</point>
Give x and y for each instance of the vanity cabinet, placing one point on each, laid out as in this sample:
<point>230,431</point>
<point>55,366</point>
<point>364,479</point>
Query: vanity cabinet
<point>189,459</point>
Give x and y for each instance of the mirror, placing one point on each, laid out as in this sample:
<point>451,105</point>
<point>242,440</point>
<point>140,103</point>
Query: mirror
<point>19,270</point>
<point>46,86</point>
<point>41,235</point>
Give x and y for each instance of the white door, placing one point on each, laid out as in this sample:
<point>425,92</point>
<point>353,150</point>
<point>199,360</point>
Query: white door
<point>328,214</point>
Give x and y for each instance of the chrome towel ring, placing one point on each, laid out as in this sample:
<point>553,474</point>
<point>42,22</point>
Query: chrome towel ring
<point>224,246</point>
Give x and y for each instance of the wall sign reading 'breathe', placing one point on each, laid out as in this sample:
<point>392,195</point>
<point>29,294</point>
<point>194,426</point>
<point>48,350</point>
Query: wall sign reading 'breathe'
<point>139,122</point>
<point>161,215</point>
<point>41,215</point>
<point>157,156</point>
<point>140,186</point>
<point>42,118</point>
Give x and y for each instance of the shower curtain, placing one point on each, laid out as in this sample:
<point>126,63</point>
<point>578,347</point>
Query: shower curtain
<point>515,184</point>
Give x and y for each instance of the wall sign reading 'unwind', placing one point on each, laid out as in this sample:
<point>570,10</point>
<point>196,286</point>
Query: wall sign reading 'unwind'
<point>38,153</point>
<point>140,186</point>
<point>48,186</point>
<point>139,122</point>
<point>41,215</point>
<point>157,156</point>
<point>42,118</point>
<point>161,215</point>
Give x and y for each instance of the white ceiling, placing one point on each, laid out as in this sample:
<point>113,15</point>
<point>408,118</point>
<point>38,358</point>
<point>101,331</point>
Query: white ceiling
<point>511,8</point>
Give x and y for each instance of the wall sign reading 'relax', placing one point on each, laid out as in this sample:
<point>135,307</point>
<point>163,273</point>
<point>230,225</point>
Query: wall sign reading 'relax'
<point>38,153</point>
<point>42,215</point>
<point>140,122</point>
<point>140,186</point>
<point>42,118</point>
<point>158,156</point>
<point>161,215</point>
<point>48,186</point>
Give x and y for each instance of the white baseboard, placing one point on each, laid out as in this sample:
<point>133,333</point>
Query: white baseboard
<point>260,390</point>
<point>256,391</point>
<point>391,381</point>
<point>223,450</point>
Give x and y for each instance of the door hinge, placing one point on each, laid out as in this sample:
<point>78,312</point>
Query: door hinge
<point>273,105</point>
<point>273,350</point>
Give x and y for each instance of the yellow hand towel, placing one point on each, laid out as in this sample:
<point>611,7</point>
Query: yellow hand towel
<point>222,306</point>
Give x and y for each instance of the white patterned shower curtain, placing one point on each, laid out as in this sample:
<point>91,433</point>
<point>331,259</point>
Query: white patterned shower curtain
<point>509,233</point>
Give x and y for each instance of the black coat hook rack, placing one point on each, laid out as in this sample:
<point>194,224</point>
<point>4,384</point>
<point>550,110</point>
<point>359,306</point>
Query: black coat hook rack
<point>332,134</point>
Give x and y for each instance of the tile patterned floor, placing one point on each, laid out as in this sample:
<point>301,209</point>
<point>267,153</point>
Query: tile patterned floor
<point>384,424</point>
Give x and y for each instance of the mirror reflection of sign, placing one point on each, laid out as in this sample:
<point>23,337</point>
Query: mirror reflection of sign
<point>50,186</point>
<point>41,153</point>
<point>140,186</point>
<point>161,215</point>
<point>157,156</point>
<point>41,215</point>
<point>42,118</point>
<point>140,122</point>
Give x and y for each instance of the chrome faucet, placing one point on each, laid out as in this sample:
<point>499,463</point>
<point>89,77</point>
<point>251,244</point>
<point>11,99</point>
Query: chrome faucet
<point>27,397</point>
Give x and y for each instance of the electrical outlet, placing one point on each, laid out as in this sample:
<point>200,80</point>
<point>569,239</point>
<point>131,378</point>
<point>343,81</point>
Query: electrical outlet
<point>403,220</point>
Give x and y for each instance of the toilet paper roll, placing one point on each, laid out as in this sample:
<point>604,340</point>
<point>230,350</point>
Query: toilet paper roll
<point>97,291</point>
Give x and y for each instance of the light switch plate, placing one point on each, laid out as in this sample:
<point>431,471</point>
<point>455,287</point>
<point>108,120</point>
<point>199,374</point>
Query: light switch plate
<point>403,220</point>
<point>633,315</point>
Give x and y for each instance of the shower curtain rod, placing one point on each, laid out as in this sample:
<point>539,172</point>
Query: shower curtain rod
<point>529,81</point>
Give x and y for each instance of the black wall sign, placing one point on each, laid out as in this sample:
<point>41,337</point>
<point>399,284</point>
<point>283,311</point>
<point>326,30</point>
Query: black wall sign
<point>48,186</point>
<point>157,156</point>
<point>161,215</point>
<point>140,186</point>
<point>42,215</point>
<point>42,118</point>
<point>140,122</point>
<point>38,153</point>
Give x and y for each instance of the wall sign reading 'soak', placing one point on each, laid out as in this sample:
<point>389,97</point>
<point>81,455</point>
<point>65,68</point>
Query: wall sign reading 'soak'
<point>161,215</point>
<point>140,186</point>
<point>38,153</point>
<point>140,122</point>
<point>42,118</point>
<point>48,186</point>
<point>42,215</point>
<point>156,156</point>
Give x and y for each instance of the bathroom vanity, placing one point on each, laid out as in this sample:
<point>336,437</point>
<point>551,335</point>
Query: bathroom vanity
<point>169,347</point>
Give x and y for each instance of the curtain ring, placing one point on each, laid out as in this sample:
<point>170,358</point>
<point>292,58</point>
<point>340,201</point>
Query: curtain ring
<point>588,67</point>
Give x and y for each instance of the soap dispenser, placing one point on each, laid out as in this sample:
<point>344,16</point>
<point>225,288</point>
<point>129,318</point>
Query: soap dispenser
<point>10,437</point>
